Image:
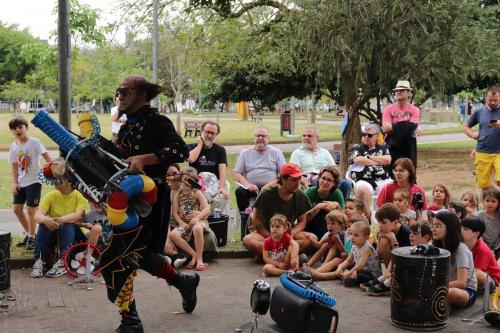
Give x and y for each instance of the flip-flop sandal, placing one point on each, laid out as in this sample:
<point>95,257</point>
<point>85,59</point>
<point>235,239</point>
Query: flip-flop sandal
<point>190,266</point>
<point>202,268</point>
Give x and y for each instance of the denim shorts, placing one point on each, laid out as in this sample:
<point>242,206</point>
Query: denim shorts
<point>29,195</point>
<point>472,296</point>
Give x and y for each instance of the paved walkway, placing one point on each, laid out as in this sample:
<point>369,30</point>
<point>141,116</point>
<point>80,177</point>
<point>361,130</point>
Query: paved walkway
<point>289,147</point>
<point>224,297</point>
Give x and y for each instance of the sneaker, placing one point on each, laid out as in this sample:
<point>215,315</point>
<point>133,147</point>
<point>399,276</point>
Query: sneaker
<point>57,270</point>
<point>350,283</point>
<point>379,289</point>
<point>168,259</point>
<point>37,269</point>
<point>369,284</point>
<point>22,242</point>
<point>30,243</point>
<point>178,260</point>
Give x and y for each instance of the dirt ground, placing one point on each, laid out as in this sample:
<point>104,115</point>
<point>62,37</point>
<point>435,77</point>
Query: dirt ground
<point>454,168</point>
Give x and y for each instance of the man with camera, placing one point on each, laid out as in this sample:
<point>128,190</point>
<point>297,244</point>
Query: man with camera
<point>487,152</point>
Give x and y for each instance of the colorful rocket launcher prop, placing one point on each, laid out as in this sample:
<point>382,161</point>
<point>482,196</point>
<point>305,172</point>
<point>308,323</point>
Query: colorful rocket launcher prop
<point>100,175</point>
<point>119,213</point>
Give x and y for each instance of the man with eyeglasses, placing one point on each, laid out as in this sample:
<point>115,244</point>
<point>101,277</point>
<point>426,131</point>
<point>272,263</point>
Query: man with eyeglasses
<point>369,166</point>
<point>311,158</point>
<point>207,156</point>
<point>149,143</point>
<point>400,122</point>
<point>255,167</point>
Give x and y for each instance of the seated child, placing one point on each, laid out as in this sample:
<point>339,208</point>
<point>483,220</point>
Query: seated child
<point>446,234</point>
<point>190,210</point>
<point>458,208</point>
<point>484,260</point>
<point>419,234</point>
<point>280,252</point>
<point>332,242</point>
<point>392,233</point>
<point>491,219</point>
<point>402,201</point>
<point>172,253</point>
<point>354,207</point>
<point>329,266</point>
<point>470,201</point>
<point>97,222</point>
<point>440,197</point>
<point>361,265</point>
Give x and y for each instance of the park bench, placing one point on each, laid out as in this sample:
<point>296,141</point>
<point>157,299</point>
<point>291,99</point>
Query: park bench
<point>192,127</point>
<point>256,116</point>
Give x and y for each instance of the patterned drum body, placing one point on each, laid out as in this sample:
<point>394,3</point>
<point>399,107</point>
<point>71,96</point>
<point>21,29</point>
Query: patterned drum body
<point>419,296</point>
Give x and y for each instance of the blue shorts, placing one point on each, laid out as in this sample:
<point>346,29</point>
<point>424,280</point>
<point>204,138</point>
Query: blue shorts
<point>472,296</point>
<point>29,195</point>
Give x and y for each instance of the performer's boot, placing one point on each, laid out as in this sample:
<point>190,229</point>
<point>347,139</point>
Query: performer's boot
<point>131,323</point>
<point>187,285</point>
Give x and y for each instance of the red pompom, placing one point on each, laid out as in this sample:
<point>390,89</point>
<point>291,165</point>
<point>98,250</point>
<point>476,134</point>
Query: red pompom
<point>150,197</point>
<point>47,170</point>
<point>118,200</point>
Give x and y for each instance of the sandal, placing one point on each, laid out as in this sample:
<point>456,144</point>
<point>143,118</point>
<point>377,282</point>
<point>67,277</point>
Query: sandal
<point>201,268</point>
<point>190,266</point>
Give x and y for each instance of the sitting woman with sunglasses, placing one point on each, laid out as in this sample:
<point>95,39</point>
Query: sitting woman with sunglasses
<point>405,178</point>
<point>368,169</point>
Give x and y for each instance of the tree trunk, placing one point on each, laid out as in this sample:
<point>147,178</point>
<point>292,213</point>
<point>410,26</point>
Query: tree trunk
<point>352,133</point>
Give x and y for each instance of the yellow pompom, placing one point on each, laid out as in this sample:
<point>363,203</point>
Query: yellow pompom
<point>149,184</point>
<point>117,216</point>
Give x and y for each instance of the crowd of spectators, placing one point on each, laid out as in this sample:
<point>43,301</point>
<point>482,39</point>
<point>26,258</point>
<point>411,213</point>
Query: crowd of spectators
<point>303,214</point>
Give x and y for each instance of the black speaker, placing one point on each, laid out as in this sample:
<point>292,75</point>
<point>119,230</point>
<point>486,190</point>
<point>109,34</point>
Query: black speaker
<point>294,314</point>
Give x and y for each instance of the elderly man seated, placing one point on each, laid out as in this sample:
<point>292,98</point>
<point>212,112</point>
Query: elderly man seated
<point>311,158</point>
<point>255,167</point>
<point>369,166</point>
<point>283,198</point>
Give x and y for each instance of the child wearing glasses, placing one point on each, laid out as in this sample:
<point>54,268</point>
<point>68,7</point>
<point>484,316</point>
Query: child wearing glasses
<point>446,234</point>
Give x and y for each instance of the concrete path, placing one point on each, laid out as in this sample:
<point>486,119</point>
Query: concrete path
<point>289,147</point>
<point>224,297</point>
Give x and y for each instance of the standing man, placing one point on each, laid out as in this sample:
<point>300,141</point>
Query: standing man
<point>150,144</point>
<point>311,158</point>
<point>117,119</point>
<point>400,121</point>
<point>488,138</point>
<point>256,166</point>
<point>207,156</point>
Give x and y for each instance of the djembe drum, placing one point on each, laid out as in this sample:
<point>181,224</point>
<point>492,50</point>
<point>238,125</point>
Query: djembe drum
<point>419,296</point>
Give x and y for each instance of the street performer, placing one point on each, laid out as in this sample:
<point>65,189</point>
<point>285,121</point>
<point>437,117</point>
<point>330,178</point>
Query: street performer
<point>149,143</point>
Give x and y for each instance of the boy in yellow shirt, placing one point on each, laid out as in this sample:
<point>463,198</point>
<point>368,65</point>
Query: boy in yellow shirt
<point>58,211</point>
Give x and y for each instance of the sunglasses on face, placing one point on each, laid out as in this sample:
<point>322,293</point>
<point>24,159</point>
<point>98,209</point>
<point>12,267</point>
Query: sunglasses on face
<point>370,135</point>
<point>124,92</point>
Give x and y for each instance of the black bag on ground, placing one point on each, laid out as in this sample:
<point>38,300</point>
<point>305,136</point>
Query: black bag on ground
<point>295,314</point>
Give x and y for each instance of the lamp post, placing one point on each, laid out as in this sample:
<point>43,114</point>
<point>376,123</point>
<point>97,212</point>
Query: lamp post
<point>64,74</point>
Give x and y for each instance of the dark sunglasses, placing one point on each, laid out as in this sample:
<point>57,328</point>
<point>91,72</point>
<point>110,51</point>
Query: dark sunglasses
<point>370,135</point>
<point>124,92</point>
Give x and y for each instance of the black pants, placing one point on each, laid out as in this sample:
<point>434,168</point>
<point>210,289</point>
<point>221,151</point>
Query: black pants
<point>243,197</point>
<point>409,152</point>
